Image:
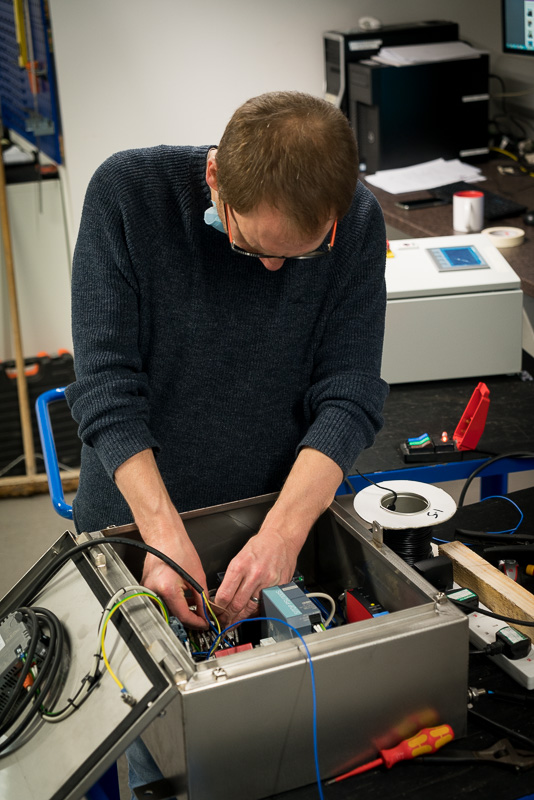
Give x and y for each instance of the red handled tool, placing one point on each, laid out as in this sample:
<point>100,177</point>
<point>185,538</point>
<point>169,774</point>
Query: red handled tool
<point>428,740</point>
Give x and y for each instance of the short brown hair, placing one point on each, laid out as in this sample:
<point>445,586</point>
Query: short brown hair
<point>294,152</point>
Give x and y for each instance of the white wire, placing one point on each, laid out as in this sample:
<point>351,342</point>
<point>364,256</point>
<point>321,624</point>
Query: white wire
<point>96,658</point>
<point>323,596</point>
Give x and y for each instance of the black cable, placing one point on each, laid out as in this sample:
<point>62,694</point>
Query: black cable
<point>511,697</point>
<point>114,540</point>
<point>487,463</point>
<point>17,689</point>
<point>500,727</point>
<point>518,548</point>
<point>386,488</point>
<point>50,666</point>
<point>47,675</point>
<point>527,622</point>
<point>487,536</point>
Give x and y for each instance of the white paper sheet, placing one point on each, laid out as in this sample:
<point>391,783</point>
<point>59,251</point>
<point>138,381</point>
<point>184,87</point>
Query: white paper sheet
<point>424,176</point>
<point>404,55</point>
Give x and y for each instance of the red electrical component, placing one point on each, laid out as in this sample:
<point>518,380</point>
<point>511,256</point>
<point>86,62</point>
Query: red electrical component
<point>238,649</point>
<point>473,420</point>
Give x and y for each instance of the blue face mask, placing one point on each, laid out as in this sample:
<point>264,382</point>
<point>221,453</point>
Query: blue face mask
<point>211,217</point>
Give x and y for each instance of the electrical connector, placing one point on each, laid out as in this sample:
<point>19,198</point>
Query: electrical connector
<point>128,698</point>
<point>515,644</point>
<point>510,642</point>
<point>465,599</point>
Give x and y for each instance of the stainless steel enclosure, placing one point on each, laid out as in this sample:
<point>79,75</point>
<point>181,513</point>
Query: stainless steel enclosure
<point>241,727</point>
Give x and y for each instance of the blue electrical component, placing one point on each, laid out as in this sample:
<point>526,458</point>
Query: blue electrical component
<point>291,605</point>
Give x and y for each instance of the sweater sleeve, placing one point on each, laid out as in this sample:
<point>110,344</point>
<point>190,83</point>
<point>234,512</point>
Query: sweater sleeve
<point>110,398</point>
<point>347,394</point>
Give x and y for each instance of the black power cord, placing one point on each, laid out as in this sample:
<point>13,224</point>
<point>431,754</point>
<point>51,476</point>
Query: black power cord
<point>392,506</point>
<point>28,702</point>
<point>41,622</point>
<point>521,454</point>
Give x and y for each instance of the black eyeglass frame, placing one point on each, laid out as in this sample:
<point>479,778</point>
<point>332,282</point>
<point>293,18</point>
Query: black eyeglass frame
<point>312,254</point>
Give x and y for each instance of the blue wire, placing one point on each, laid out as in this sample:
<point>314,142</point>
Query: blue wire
<point>510,530</point>
<point>503,497</point>
<point>312,675</point>
<point>448,541</point>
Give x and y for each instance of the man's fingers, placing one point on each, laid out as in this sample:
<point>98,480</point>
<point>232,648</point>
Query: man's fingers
<point>177,603</point>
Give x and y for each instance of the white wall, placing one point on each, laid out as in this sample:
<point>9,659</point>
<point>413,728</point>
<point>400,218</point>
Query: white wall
<point>133,73</point>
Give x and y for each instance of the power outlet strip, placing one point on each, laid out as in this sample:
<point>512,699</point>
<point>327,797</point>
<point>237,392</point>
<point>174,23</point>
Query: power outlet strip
<point>482,631</point>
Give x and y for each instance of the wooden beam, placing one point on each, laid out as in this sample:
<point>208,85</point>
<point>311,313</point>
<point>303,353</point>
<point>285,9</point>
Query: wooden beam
<point>24,485</point>
<point>495,590</point>
<point>22,386</point>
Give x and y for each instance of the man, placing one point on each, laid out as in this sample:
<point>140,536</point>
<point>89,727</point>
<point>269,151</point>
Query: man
<point>228,312</point>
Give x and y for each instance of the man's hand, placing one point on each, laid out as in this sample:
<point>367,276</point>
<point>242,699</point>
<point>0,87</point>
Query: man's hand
<point>175,592</point>
<point>269,558</point>
<point>161,527</point>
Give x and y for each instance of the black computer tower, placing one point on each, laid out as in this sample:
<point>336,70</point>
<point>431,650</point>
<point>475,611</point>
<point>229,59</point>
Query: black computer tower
<point>412,114</point>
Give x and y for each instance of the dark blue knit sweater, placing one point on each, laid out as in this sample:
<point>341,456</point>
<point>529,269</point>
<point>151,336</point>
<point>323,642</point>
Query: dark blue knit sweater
<point>224,368</point>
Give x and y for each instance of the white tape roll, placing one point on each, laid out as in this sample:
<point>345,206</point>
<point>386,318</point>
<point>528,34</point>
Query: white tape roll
<point>418,505</point>
<point>505,237</point>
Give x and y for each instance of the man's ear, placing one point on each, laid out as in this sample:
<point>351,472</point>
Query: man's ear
<point>211,170</point>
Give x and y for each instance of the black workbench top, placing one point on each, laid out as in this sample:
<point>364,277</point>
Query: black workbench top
<point>435,406</point>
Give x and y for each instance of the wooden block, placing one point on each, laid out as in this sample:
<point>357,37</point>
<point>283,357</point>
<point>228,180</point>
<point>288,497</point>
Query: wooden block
<point>24,485</point>
<point>496,590</point>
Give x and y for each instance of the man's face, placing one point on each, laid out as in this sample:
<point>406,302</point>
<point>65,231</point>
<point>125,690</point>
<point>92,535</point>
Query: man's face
<point>267,230</point>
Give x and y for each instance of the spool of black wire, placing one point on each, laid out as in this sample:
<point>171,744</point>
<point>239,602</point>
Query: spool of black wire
<point>412,545</point>
<point>408,513</point>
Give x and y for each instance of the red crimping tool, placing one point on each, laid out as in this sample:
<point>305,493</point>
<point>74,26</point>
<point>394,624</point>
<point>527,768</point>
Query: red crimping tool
<point>465,437</point>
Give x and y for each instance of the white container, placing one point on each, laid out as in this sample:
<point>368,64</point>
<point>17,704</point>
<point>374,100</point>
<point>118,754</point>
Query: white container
<point>468,211</point>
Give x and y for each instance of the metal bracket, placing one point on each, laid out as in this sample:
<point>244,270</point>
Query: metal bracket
<point>159,651</point>
<point>378,534</point>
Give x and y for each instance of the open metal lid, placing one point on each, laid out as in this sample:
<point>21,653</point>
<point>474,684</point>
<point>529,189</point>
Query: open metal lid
<point>61,760</point>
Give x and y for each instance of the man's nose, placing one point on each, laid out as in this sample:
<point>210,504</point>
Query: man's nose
<point>272,264</point>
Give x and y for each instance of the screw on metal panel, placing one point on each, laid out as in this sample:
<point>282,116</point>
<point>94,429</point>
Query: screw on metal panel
<point>439,600</point>
<point>99,560</point>
<point>473,694</point>
<point>219,673</point>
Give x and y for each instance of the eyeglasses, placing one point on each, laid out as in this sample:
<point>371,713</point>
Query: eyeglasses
<point>312,254</point>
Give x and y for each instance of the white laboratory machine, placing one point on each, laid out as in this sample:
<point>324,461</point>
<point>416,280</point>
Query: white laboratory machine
<point>454,310</point>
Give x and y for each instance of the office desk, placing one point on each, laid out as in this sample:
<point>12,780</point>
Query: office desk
<point>437,221</point>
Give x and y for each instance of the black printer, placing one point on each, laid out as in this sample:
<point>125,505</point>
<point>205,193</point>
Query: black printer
<point>410,114</point>
<point>343,49</point>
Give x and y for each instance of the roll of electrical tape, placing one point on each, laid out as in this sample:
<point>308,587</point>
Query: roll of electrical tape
<point>505,237</point>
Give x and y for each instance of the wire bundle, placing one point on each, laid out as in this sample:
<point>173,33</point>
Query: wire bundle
<point>35,684</point>
<point>412,545</point>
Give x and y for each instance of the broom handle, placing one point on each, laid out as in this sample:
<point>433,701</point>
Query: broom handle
<point>22,386</point>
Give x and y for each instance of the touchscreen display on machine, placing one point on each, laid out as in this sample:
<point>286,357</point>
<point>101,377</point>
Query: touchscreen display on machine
<point>457,258</point>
